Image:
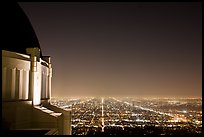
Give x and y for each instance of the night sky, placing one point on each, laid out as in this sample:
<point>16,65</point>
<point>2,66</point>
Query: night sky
<point>121,49</point>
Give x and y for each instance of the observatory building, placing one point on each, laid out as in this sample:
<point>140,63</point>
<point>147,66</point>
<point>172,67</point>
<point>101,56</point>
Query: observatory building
<point>26,82</point>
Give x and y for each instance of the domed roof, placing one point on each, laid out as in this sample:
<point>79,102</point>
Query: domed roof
<point>19,31</point>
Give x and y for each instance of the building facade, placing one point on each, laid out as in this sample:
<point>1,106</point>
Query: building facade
<point>26,77</point>
<point>26,84</point>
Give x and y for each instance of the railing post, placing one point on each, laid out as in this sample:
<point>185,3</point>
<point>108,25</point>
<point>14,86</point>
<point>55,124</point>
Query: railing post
<point>35,79</point>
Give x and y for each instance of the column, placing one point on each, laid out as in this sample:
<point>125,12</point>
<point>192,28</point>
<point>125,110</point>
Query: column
<point>25,84</point>
<point>13,83</point>
<point>46,86</point>
<point>43,86</point>
<point>48,60</point>
<point>17,83</point>
<point>49,80</point>
<point>8,84</point>
<point>20,93</point>
<point>35,79</point>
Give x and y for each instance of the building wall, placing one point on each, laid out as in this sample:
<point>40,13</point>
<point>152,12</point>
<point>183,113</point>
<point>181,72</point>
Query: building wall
<point>65,126</point>
<point>17,78</point>
<point>26,85</point>
<point>22,115</point>
<point>17,115</point>
<point>42,119</point>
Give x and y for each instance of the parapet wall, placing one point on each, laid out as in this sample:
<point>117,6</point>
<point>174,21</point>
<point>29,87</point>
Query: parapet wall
<point>24,78</point>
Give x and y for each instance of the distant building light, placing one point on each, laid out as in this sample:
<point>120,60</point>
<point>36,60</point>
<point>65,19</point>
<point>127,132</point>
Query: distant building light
<point>184,111</point>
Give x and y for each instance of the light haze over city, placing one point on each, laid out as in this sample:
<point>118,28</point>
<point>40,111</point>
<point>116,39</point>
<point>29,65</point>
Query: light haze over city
<point>121,49</point>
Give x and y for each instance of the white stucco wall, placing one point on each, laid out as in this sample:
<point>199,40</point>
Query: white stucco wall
<point>15,76</point>
<point>22,82</point>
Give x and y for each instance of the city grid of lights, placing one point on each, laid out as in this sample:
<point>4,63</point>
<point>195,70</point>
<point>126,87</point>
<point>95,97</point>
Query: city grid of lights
<point>133,116</point>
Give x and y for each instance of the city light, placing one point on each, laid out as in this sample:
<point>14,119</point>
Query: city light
<point>121,115</point>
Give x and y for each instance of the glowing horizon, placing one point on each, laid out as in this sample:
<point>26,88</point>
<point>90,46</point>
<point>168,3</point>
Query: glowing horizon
<point>123,49</point>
